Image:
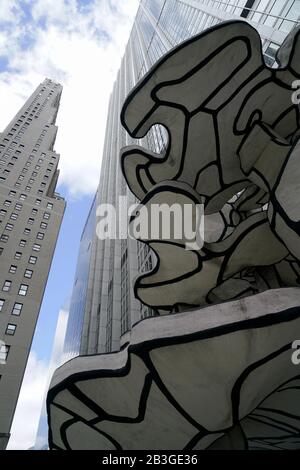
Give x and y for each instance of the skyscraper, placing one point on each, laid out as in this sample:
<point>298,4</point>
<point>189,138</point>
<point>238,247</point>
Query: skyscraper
<point>108,308</point>
<point>30,216</point>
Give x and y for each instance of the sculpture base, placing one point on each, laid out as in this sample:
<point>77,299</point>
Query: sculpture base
<point>219,377</point>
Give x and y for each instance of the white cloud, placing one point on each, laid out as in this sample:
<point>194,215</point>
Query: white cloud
<point>8,10</point>
<point>28,410</point>
<point>31,404</point>
<point>81,47</point>
<point>59,340</point>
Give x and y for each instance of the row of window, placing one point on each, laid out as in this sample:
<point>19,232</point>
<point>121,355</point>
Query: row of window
<point>24,170</point>
<point>16,310</point>
<point>9,227</point>
<point>35,247</point>
<point>31,260</point>
<point>12,149</point>
<point>28,272</point>
<point>27,188</point>
<point>23,197</point>
<point>23,289</point>
<point>11,327</point>
<point>4,350</point>
<point>14,216</point>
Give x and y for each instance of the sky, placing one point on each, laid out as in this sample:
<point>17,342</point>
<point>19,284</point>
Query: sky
<point>78,43</point>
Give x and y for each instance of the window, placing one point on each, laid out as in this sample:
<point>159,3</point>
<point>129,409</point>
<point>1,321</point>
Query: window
<point>30,221</point>
<point>4,350</point>
<point>9,227</point>
<point>28,273</point>
<point>6,286</point>
<point>4,238</point>
<point>17,309</point>
<point>49,205</point>
<point>23,289</point>
<point>36,247</point>
<point>10,329</point>
<point>18,255</point>
<point>46,215</point>
<point>14,216</point>
<point>18,206</point>
<point>2,302</point>
<point>13,269</point>
<point>32,259</point>
<point>27,231</point>
<point>22,243</point>
<point>40,236</point>
<point>7,203</point>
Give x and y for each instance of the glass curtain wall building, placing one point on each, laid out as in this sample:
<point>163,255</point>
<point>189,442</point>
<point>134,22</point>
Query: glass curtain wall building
<point>110,308</point>
<point>80,288</point>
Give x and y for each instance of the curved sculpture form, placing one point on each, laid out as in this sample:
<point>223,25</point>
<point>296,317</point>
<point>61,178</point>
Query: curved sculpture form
<point>219,376</point>
<point>233,146</point>
<point>202,379</point>
<point>207,93</point>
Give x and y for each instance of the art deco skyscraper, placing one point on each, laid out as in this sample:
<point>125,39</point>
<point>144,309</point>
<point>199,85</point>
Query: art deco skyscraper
<point>103,307</point>
<point>30,216</point>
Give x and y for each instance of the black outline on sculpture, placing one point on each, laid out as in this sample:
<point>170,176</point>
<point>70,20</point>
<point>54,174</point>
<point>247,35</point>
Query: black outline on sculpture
<point>238,222</point>
<point>142,351</point>
<point>253,196</point>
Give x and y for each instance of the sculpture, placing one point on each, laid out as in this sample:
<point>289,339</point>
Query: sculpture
<point>217,376</point>
<point>233,131</point>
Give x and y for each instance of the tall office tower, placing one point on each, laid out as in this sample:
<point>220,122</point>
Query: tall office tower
<point>30,216</point>
<point>104,307</point>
